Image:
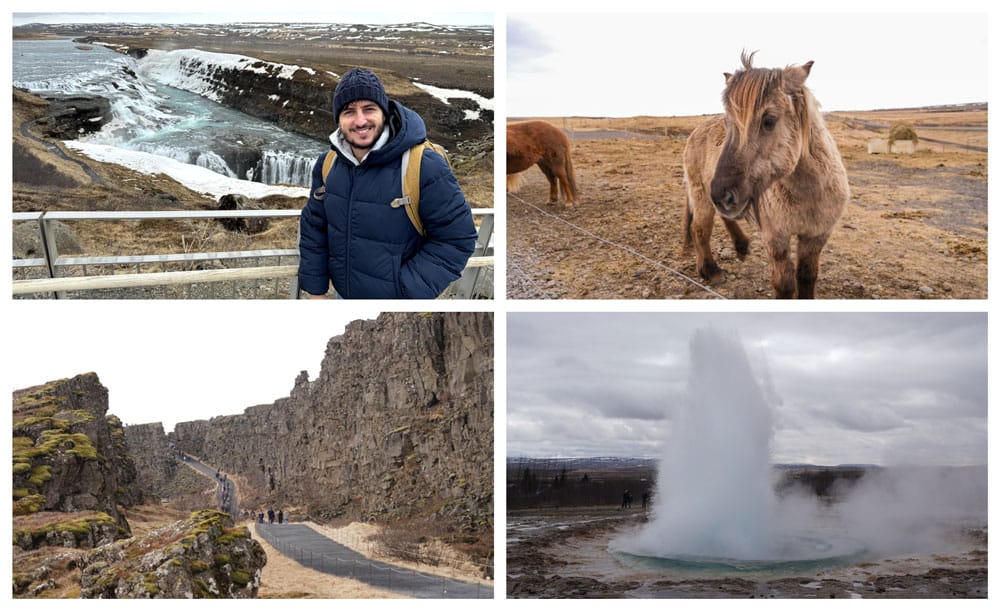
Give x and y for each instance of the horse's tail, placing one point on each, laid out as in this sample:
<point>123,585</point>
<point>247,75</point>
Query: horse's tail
<point>514,182</point>
<point>688,217</point>
<point>570,178</point>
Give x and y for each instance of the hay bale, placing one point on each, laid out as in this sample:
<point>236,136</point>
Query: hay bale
<point>902,131</point>
<point>878,146</point>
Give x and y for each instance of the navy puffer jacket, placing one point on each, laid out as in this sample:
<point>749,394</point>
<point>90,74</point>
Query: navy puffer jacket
<point>371,250</point>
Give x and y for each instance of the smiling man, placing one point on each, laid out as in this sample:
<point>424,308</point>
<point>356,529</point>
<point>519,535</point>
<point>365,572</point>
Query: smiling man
<point>356,229</point>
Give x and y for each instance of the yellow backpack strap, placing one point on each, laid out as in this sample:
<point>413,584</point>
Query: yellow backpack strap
<point>331,155</point>
<point>410,174</point>
<point>411,184</point>
<point>437,148</point>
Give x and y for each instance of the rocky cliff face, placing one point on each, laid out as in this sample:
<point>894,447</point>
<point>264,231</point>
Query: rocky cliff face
<point>72,116</point>
<point>398,423</point>
<point>155,461</point>
<point>69,454</point>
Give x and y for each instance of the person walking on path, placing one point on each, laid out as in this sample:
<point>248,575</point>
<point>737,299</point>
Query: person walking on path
<point>356,230</point>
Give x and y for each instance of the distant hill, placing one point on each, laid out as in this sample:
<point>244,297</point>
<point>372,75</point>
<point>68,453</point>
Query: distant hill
<point>593,463</point>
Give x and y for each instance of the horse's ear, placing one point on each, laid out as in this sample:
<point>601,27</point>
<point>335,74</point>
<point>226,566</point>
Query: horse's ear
<point>796,75</point>
<point>728,76</point>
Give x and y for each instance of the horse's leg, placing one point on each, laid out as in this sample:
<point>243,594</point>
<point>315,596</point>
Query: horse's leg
<point>807,269</point>
<point>553,181</point>
<point>782,270</point>
<point>740,240</point>
<point>702,219</point>
<point>559,170</point>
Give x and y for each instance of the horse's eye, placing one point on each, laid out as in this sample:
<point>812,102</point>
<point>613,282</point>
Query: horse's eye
<point>768,122</point>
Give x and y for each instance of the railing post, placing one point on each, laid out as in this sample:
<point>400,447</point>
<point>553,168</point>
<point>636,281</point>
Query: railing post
<point>470,276</point>
<point>295,281</point>
<point>49,249</point>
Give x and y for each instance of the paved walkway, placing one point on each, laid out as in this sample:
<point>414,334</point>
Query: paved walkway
<point>311,549</point>
<point>231,506</point>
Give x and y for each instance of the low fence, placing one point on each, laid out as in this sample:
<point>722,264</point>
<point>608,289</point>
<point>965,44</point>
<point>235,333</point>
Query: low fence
<point>249,274</point>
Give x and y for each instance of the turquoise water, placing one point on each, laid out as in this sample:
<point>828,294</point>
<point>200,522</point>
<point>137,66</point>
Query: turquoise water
<point>153,118</point>
<point>791,553</point>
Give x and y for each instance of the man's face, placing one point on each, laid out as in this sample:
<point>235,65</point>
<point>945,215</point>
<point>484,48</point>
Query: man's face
<point>361,123</point>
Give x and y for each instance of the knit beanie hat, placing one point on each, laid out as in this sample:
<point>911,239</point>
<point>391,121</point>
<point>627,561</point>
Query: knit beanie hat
<point>359,84</point>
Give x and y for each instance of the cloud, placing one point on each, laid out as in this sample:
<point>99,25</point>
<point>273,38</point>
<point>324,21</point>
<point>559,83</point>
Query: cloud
<point>527,50</point>
<point>846,387</point>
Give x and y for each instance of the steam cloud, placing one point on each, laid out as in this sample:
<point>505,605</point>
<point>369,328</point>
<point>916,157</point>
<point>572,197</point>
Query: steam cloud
<point>716,496</point>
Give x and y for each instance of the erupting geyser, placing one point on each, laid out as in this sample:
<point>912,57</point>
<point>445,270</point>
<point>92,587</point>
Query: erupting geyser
<point>715,503</point>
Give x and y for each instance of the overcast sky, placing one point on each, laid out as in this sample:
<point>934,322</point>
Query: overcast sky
<point>173,362</point>
<point>667,64</point>
<point>233,11</point>
<point>850,387</point>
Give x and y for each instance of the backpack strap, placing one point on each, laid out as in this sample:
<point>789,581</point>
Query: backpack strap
<point>410,176</point>
<point>410,172</point>
<point>331,155</point>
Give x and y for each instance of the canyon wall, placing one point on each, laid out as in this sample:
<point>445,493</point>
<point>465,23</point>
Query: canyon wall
<point>398,424</point>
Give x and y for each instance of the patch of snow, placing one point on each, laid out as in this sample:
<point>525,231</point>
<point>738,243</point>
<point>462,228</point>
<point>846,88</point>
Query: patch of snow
<point>445,94</point>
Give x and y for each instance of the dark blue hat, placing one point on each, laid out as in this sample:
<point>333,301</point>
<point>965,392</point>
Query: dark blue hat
<point>359,84</point>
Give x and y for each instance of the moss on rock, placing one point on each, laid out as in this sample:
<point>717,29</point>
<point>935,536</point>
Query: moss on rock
<point>27,504</point>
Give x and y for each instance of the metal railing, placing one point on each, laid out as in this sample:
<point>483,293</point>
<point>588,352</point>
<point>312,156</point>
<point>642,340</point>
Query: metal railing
<point>246,273</point>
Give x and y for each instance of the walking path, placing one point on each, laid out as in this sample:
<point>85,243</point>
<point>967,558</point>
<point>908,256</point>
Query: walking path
<point>313,550</point>
<point>25,131</point>
<point>226,488</point>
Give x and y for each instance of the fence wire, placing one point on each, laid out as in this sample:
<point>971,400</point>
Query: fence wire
<point>631,251</point>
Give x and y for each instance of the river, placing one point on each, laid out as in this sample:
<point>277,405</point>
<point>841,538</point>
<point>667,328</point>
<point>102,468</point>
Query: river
<point>151,117</point>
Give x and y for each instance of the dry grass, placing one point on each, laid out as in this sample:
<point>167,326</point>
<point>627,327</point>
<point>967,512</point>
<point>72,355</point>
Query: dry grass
<point>915,228</point>
<point>285,578</point>
<point>368,540</point>
<point>145,518</point>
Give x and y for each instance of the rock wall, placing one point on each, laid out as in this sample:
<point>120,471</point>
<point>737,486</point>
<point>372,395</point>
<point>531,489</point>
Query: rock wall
<point>155,459</point>
<point>72,116</point>
<point>69,454</point>
<point>398,423</point>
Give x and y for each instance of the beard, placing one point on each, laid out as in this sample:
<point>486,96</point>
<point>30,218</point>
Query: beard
<point>360,142</point>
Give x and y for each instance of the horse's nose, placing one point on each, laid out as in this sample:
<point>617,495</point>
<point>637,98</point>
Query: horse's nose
<point>724,198</point>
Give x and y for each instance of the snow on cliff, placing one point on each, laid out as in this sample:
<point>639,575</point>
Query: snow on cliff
<point>194,70</point>
<point>198,179</point>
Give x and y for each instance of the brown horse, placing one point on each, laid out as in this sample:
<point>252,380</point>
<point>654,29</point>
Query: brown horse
<point>769,159</point>
<point>537,142</point>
